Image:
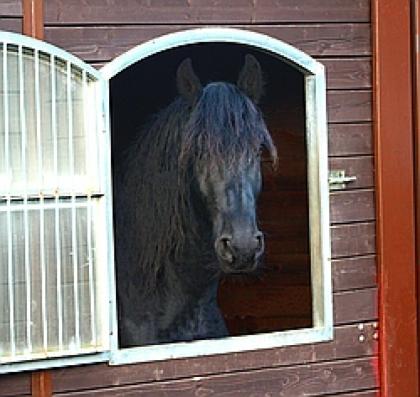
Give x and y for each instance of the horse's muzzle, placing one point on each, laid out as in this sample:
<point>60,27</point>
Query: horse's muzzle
<point>239,255</point>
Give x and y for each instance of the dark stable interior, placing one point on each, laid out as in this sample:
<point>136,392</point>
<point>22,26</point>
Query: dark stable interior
<point>280,298</point>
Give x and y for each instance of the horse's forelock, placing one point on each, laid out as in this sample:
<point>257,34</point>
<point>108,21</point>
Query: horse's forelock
<point>225,126</point>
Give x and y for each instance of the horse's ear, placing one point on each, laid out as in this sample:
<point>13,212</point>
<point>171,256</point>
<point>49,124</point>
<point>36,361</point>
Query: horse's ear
<point>250,80</point>
<point>188,83</point>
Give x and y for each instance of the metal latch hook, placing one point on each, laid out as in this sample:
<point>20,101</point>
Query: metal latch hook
<point>337,179</point>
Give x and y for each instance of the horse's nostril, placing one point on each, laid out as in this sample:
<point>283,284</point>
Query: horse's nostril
<point>224,248</point>
<point>260,242</point>
<point>226,243</point>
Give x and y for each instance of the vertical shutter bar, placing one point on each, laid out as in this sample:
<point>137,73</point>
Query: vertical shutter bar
<point>73,208</point>
<point>90,264</point>
<point>6,111</point>
<point>10,279</point>
<point>9,218</point>
<point>41,209</point>
<point>59,292</point>
<point>89,215</point>
<point>25,200</point>
<point>57,211</point>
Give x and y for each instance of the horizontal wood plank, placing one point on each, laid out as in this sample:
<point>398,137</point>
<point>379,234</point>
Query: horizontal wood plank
<point>349,106</point>
<point>102,44</point>
<point>314,380</point>
<point>345,345</point>
<point>353,239</point>
<point>350,139</point>
<point>203,11</point>
<point>11,8</point>
<point>355,306</point>
<point>18,384</point>
<point>352,206</point>
<point>351,273</point>
<point>360,167</point>
<point>348,73</point>
<point>11,24</point>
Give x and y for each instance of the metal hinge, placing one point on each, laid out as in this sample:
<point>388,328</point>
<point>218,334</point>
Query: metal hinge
<point>337,179</point>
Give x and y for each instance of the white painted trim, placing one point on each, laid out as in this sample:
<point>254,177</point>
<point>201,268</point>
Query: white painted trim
<point>45,363</point>
<point>289,54</point>
<point>42,46</point>
<point>230,344</point>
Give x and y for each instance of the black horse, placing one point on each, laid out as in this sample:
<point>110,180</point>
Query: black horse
<point>186,208</point>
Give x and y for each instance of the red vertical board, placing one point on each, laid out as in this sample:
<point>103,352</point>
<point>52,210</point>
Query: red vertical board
<point>395,197</point>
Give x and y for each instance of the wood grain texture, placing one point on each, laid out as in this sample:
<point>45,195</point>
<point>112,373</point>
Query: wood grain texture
<point>41,384</point>
<point>11,8</point>
<point>33,18</point>
<point>348,73</point>
<point>18,384</point>
<point>345,345</point>
<point>102,44</point>
<point>349,106</point>
<point>360,167</point>
<point>11,24</point>
<point>314,380</point>
<point>355,306</point>
<point>353,239</point>
<point>350,139</point>
<point>354,273</point>
<point>394,171</point>
<point>203,11</point>
<point>352,206</point>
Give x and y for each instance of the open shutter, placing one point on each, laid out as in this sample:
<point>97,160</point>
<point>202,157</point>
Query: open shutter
<point>53,220</point>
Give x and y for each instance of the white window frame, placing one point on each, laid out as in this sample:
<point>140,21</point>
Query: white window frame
<point>318,189</point>
<point>318,193</point>
<point>33,361</point>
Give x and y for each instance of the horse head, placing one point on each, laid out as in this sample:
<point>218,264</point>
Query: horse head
<point>223,140</point>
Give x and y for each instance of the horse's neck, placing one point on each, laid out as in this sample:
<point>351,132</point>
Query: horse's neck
<point>194,274</point>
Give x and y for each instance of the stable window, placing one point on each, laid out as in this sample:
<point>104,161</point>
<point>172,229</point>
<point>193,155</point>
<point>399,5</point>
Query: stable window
<point>58,290</point>
<point>292,301</point>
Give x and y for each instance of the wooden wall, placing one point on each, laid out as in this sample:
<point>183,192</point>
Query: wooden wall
<point>337,33</point>
<point>11,15</point>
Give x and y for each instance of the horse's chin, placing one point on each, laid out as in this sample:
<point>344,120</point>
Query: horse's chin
<point>237,268</point>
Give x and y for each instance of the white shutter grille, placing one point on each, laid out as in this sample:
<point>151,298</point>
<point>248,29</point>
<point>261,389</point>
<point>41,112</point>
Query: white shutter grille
<point>50,207</point>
